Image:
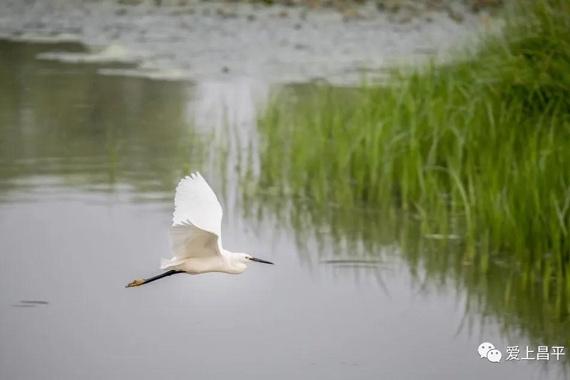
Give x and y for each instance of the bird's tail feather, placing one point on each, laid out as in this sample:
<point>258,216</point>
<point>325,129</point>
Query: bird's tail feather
<point>170,263</point>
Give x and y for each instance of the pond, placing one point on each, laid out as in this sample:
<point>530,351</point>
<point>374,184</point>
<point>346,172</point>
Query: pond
<point>89,164</point>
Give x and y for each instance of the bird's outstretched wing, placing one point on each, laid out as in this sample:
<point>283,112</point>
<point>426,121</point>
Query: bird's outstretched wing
<point>197,222</point>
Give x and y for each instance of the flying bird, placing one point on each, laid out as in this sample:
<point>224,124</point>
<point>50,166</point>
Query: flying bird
<point>196,235</point>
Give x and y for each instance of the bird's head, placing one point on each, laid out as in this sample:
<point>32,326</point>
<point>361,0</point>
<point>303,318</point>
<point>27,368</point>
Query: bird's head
<point>238,262</point>
<point>245,258</point>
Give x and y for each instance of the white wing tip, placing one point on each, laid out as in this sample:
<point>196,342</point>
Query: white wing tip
<point>194,182</point>
<point>196,202</point>
<point>190,177</point>
<point>193,175</point>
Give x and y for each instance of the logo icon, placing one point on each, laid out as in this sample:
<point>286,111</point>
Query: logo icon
<point>488,350</point>
<point>494,355</point>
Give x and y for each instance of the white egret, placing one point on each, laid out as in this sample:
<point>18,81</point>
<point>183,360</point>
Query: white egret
<point>196,235</point>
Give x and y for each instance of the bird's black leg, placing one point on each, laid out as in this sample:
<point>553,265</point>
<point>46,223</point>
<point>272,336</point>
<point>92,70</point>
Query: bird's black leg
<point>143,281</point>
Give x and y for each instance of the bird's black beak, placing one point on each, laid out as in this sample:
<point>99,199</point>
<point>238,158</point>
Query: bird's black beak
<point>261,261</point>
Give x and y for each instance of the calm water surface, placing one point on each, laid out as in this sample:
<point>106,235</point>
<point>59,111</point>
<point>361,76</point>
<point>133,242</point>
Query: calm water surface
<point>88,166</point>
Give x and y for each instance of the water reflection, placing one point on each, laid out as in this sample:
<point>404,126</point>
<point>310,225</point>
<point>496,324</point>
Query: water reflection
<point>496,287</point>
<point>30,303</point>
<point>65,125</point>
<point>354,294</point>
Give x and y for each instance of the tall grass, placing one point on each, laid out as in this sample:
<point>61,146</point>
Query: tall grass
<point>480,147</point>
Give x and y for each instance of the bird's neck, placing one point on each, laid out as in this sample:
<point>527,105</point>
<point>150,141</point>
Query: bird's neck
<point>233,262</point>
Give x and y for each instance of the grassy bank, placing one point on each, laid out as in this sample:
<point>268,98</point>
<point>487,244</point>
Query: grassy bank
<point>479,148</point>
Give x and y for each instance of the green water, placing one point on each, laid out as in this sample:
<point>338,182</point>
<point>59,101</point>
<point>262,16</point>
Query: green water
<point>88,130</point>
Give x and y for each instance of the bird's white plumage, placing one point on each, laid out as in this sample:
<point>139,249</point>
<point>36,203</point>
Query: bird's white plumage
<point>197,221</point>
<point>196,202</point>
<point>196,235</point>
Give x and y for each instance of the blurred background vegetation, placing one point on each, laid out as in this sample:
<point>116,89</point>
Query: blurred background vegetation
<point>474,155</point>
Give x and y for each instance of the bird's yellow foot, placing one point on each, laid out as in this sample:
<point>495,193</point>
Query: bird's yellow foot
<point>137,282</point>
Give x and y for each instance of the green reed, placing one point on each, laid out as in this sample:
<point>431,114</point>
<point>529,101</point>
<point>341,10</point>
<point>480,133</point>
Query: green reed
<point>478,148</point>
